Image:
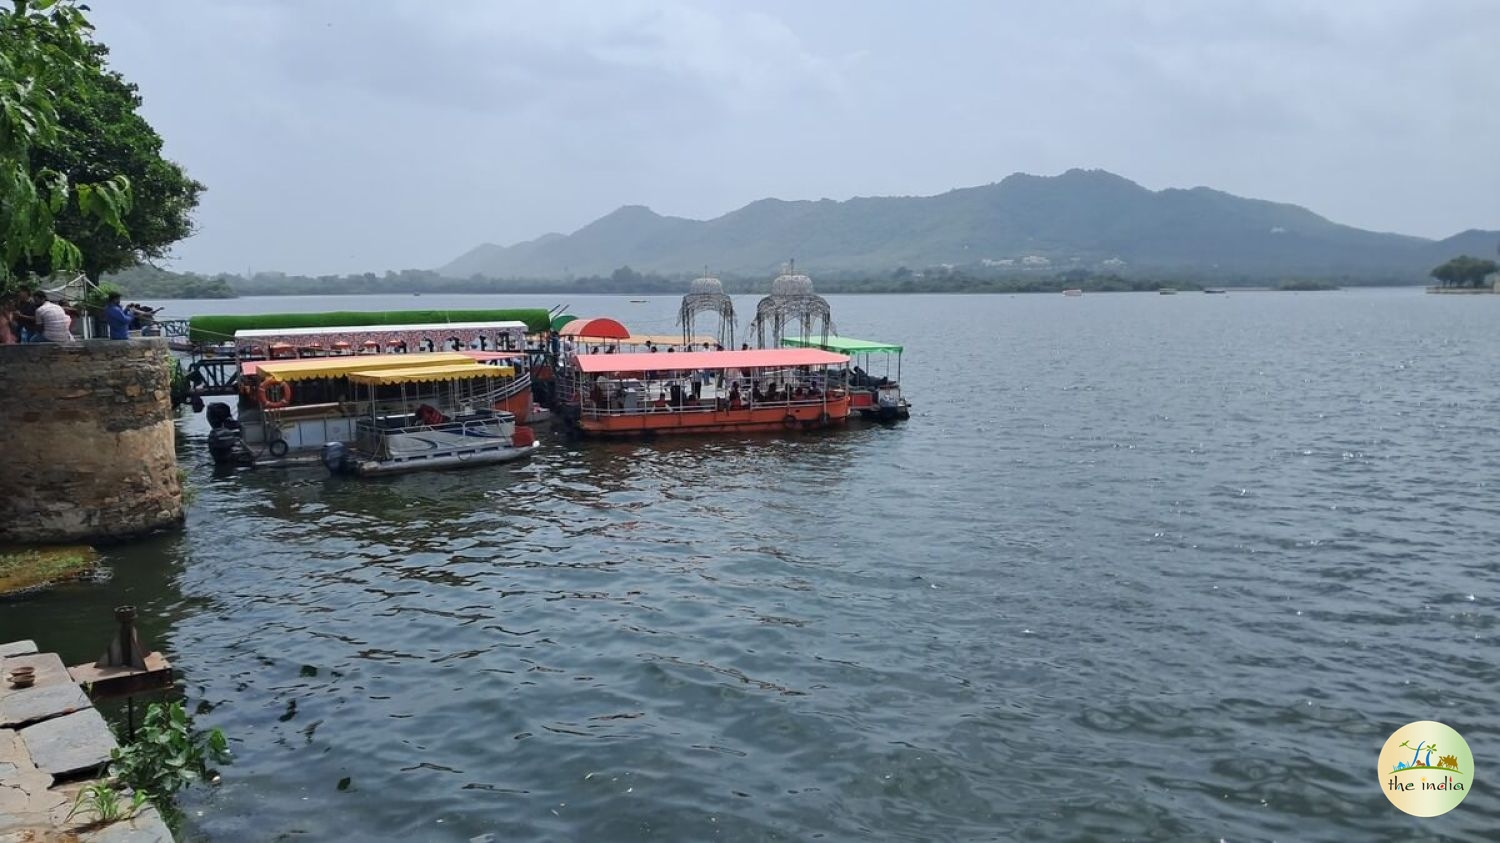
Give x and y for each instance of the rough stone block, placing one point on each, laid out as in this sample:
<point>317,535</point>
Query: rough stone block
<point>49,671</point>
<point>145,827</point>
<point>33,705</point>
<point>13,757</point>
<point>17,648</point>
<point>74,743</point>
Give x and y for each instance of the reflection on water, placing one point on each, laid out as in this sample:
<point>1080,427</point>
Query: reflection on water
<point>1138,567</point>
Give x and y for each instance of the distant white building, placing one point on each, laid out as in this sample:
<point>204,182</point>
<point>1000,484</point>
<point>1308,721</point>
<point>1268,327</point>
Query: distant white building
<point>1035,260</point>
<point>1113,263</point>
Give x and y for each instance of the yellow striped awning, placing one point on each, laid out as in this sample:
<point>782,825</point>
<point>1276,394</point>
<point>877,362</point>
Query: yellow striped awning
<point>453,372</point>
<point>667,340</point>
<point>338,367</point>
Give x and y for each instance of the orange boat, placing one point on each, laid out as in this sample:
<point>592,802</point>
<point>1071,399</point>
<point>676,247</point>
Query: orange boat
<point>622,395</point>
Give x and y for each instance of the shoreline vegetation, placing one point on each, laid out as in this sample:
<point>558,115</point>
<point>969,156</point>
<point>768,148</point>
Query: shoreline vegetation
<point>24,569</point>
<point>151,283</point>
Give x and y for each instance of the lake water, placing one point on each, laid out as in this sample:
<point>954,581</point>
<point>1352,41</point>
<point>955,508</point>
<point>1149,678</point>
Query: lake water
<point>1138,568</point>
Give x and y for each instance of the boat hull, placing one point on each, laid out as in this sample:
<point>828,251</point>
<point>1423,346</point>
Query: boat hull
<point>887,413</point>
<point>467,459</point>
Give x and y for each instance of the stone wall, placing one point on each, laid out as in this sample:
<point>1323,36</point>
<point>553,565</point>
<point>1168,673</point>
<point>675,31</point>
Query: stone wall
<point>87,441</point>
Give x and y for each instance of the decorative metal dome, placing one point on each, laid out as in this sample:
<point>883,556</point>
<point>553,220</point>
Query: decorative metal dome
<point>706,295</point>
<point>792,285</point>
<point>706,284</point>
<point>790,310</point>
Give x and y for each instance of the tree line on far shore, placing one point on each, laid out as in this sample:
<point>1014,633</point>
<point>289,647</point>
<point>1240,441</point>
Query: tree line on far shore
<point>146,282</point>
<point>149,282</point>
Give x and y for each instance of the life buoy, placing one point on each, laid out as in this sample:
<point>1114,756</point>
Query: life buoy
<point>267,385</point>
<point>789,421</point>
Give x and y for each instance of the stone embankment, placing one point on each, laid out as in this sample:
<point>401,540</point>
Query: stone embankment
<point>87,433</point>
<point>53,745</point>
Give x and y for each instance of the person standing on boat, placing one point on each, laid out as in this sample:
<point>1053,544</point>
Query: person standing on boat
<point>119,321</point>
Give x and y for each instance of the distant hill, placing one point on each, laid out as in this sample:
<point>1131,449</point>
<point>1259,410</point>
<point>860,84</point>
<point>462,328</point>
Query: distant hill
<point>1082,219</point>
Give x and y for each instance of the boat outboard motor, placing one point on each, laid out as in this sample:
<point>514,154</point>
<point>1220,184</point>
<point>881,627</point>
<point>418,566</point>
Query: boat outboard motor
<point>225,443</point>
<point>336,458</point>
<point>227,447</point>
<point>219,415</point>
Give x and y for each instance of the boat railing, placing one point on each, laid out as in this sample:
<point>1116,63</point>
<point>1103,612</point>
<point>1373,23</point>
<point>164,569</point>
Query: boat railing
<point>372,436</point>
<point>703,405</point>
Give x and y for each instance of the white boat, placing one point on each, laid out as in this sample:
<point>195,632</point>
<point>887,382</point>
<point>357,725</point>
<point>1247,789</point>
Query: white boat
<point>417,436</point>
<point>1072,292</point>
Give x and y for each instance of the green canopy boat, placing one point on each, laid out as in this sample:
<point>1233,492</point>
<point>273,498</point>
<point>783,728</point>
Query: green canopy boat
<point>872,397</point>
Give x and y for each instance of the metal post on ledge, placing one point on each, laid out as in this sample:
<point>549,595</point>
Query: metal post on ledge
<point>126,669</point>
<point>126,649</point>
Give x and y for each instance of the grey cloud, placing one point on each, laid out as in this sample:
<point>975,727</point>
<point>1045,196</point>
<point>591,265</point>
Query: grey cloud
<point>341,136</point>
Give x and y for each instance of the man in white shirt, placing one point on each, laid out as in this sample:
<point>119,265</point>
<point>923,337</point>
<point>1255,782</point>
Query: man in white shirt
<point>51,320</point>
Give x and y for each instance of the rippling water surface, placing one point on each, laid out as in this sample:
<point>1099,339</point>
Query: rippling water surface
<point>1137,568</point>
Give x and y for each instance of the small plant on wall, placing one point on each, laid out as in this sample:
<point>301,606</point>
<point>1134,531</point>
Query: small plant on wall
<point>166,755</point>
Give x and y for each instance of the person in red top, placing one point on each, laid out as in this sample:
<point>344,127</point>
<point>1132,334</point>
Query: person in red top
<point>8,324</point>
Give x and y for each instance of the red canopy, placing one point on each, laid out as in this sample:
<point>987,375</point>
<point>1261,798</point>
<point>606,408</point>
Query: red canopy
<point>598,328</point>
<point>754,359</point>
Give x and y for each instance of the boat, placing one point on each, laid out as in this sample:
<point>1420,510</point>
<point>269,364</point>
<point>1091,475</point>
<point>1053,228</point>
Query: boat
<point>704,392</point>
<point>1073,292</point>
<point>638,301</point>
<point>1214,292</point>
<point>297,391</point>
<point>870,396</point>
<point>403,430</point>
<point>212,366</point>
<point>218,328</point>
<point>1167,291</point>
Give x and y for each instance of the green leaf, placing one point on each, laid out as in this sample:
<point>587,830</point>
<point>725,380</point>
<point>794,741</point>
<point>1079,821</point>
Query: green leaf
<point>64,255</point>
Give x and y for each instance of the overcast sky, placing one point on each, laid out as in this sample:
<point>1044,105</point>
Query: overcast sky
<point>363,136</point>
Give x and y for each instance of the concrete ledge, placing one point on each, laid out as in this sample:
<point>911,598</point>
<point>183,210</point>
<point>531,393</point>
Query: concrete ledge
<point>17,648</point>
<point>33,807</point>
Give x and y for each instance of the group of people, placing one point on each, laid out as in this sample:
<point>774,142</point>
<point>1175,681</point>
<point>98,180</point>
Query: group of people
<point>774,393</point>
<point>32,316</point>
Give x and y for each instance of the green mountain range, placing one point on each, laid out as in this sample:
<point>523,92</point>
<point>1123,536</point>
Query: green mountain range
<point>1082,219</point>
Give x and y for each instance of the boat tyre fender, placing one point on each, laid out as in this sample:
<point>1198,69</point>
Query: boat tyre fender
<point>789,422</point>
<point>281,390</point>
<point>278,448</point>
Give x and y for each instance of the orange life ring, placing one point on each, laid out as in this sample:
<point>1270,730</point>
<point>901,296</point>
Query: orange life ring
<point>264,393</point>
